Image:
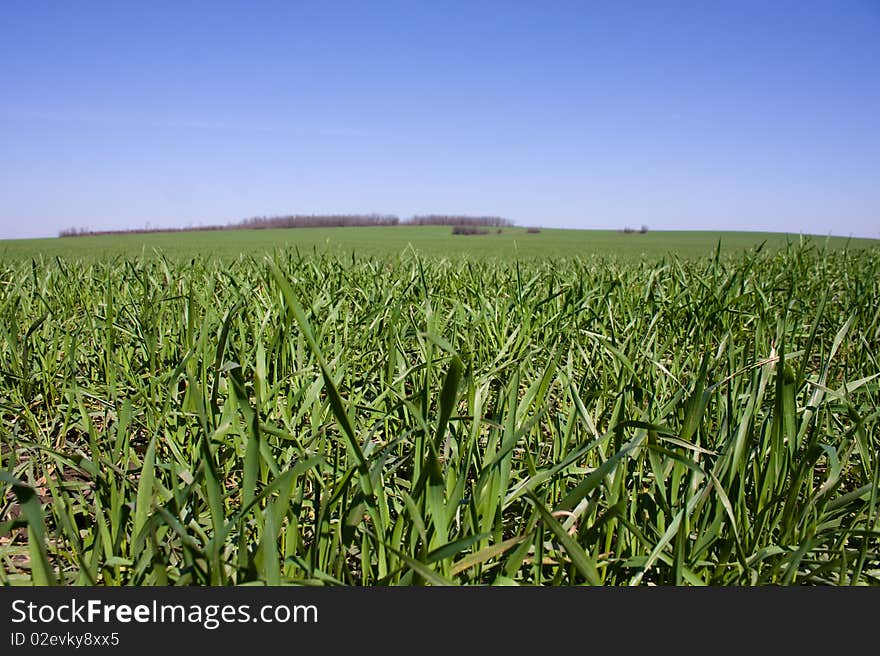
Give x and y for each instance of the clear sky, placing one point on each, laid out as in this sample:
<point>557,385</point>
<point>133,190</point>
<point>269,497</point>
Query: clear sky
<point>676,115</point>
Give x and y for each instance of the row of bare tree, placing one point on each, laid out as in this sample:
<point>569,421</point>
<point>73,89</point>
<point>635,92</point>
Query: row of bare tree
<point>455,220</point>
<point>313,221</point>
<point>86,232</point>
<point>316,221</point>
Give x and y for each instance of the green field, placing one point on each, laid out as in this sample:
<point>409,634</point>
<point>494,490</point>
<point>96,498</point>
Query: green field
<point>580,408</point>
<point>434,241</point>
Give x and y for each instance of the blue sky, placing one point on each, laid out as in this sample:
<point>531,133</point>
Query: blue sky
<point>676,115</point>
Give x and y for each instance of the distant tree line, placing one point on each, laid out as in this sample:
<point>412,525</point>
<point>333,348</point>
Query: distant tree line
<point>456,220</point>
<point>85,232</point>
<point>315,221</point>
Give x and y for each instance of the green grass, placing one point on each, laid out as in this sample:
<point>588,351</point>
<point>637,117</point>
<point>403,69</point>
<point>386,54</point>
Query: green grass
<point>407,419</point>
<point>431,241</point>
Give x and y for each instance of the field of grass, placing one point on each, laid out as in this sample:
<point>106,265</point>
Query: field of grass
<point>555,415</point>
<point>430,241</point>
